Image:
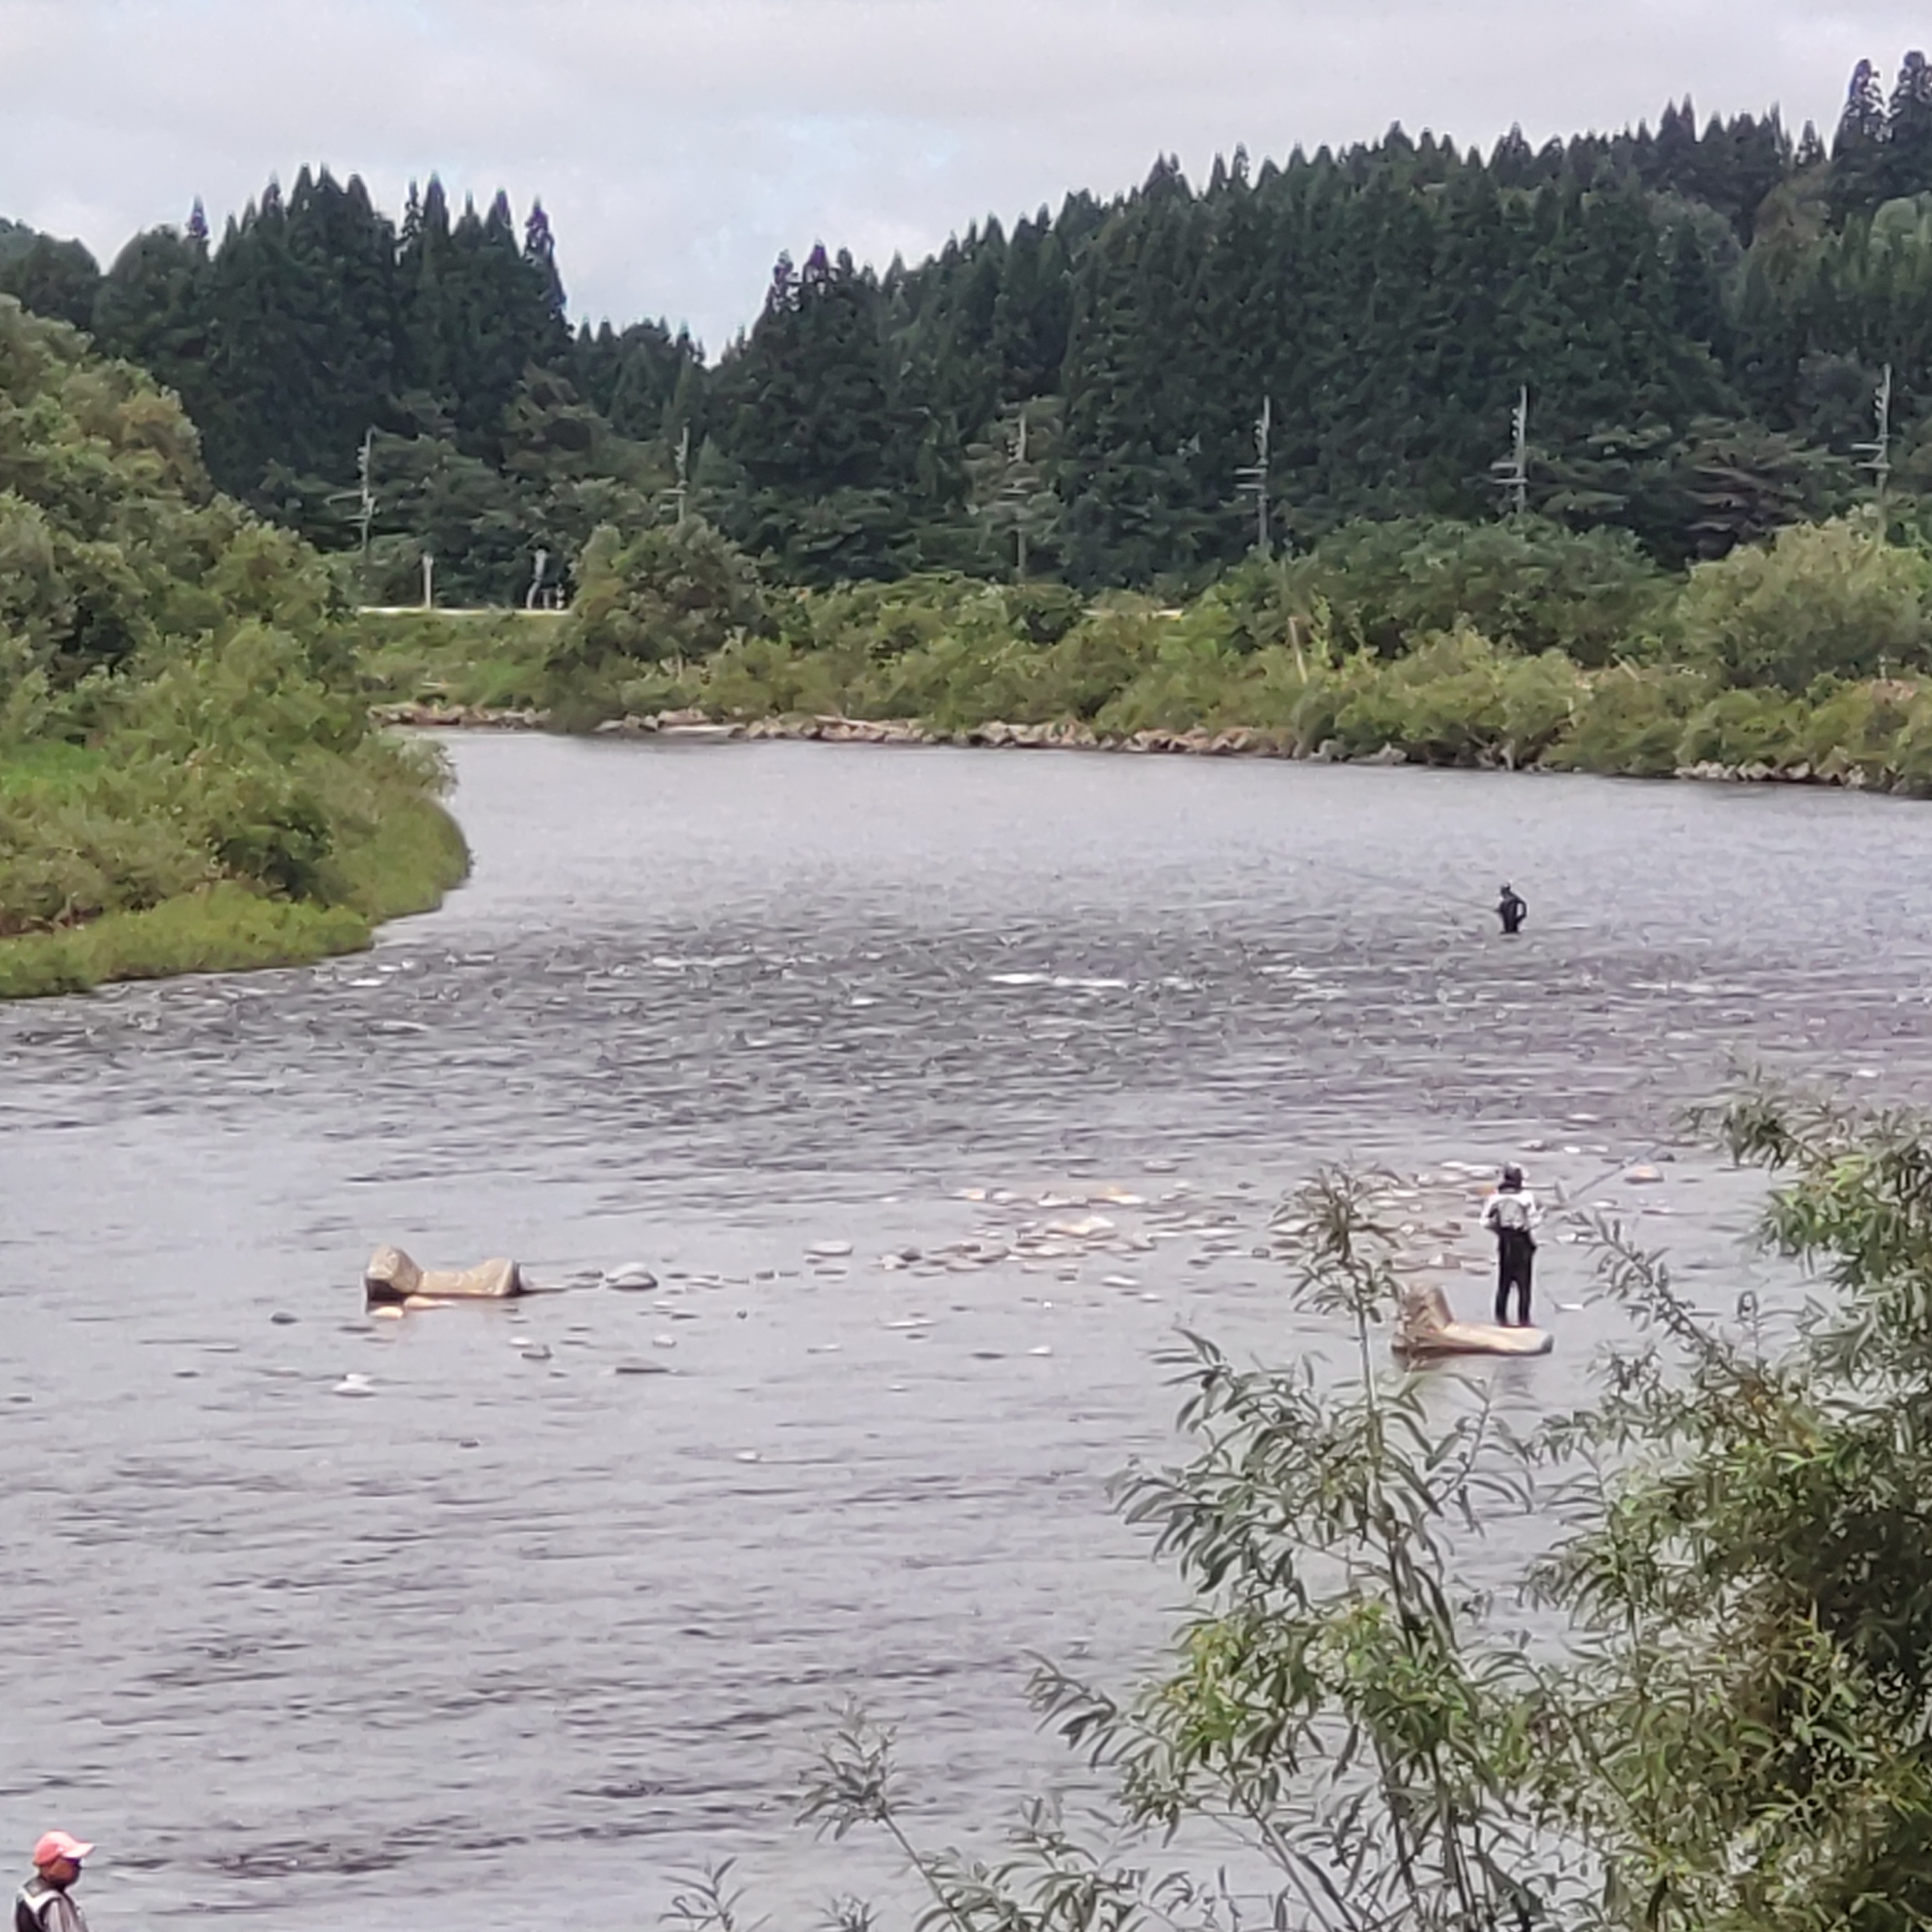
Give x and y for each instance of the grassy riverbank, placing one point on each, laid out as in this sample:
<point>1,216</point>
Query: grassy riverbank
<point>1445,645</point>
<point>188,776</point>
<point>500,660</point>
<point>412,855</point>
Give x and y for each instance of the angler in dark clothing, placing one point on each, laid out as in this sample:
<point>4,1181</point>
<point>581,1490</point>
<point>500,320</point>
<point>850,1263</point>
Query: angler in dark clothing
<point>1511,909</point>
<point>42,1904</point>
<point>1510,1214</point>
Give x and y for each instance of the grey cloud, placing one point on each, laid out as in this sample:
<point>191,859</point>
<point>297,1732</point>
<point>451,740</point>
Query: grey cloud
<point>678,144</point>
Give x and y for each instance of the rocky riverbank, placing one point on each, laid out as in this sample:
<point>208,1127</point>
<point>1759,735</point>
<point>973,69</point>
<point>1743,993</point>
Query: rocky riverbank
<point>1067,735</point>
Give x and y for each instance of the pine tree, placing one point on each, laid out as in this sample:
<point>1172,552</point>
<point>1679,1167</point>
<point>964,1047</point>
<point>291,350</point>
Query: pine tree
<point>1857,150</point>
<point>1905,166</point>
<point>57,279</point>
<point>806,415</point>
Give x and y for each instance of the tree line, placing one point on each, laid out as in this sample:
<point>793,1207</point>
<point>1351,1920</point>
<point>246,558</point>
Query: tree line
<point>1701,316</point>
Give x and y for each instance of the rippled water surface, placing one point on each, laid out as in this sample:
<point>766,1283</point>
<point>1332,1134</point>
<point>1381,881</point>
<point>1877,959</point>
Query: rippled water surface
<point>549,1613</point>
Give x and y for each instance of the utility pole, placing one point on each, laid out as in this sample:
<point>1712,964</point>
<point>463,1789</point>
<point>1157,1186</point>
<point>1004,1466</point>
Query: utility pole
<point>1511,474</point>
<point>429,581</point>
<point>1022,495</point>
<point>1251,479</point>
<point>1877,455</point>
<point>1019,488</point>
<point>365,508</point>
<point>536,582</point>
<point>682,491</point>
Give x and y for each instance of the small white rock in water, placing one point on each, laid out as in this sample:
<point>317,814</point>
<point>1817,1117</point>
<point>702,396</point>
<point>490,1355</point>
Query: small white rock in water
<point>1044,1348</point>
<point>632,1275</point>
<point>828,1251</point>
<point>1089,1227</point>
<point>824,1347</point>
<point>1118,1281</point>
<point>1642,1175</point>
<point>354,1384</point>
<point>664,1341</point>
<point>748,1456</point>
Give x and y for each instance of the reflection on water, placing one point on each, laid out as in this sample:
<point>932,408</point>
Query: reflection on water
<point>563,1618</point>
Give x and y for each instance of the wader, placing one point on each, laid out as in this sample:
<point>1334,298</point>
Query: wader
<point>1515,1256</point>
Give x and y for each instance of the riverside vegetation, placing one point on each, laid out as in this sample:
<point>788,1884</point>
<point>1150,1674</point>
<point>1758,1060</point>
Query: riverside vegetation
<point>1516,644</point>
<point>188,778</point>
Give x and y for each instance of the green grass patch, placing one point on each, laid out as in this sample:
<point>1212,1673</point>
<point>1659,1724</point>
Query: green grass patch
<point>495,658</point>
<point>46,766</point>
<point>414,854</point>
<point>226,929</point>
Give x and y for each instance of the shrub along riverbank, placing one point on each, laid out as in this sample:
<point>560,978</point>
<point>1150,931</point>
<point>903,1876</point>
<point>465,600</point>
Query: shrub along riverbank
<point>188,776</point>
<point>1517,646</point>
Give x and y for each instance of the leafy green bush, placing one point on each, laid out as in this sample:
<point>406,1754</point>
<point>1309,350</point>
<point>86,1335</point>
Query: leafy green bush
<point>1525,582</point>
<point>1907,764</point>
<point>1628,723</point>
<point>1744,727</point>
<point>1823,600</point>
<point>1043,613</point>
<point>1853,726</point>
<point>760,677</point>
<point>883,620</point>
<point>675,591</point>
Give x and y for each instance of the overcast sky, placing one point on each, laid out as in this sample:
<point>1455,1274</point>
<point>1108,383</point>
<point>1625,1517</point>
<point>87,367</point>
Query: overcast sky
<point>679,144</point>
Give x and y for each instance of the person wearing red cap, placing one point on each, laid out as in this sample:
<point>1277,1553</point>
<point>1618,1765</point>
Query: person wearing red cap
<point>43,1905</point>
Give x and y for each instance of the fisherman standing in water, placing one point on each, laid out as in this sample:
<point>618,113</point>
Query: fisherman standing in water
<point>1511,909</point>
<point>42,1904</point>
<point>1510,1215</point>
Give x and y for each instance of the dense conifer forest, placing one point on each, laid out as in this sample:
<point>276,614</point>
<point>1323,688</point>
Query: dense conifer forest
<point>1702,317</point>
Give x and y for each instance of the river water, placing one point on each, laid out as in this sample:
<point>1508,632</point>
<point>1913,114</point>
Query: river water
<point>547,1615</point>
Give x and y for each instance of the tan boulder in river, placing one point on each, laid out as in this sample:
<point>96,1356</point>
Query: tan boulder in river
<point>1425,1327</point>
<point>392,1279</point>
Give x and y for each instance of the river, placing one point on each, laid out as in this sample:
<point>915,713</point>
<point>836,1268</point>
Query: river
<point>547,1615</point>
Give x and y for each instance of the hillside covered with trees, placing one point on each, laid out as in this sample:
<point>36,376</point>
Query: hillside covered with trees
<point>1702,317</point>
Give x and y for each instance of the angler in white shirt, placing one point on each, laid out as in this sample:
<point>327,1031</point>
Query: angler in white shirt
<point>1511,1215</point>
